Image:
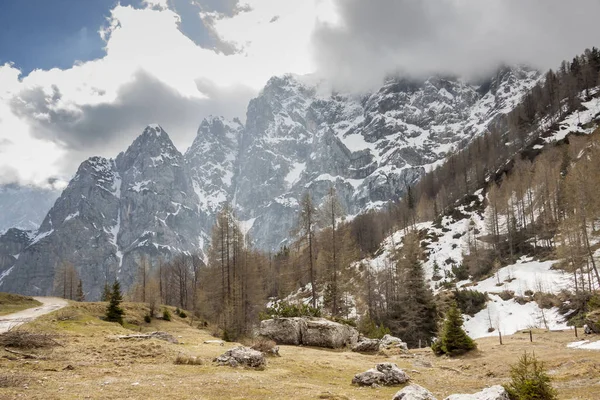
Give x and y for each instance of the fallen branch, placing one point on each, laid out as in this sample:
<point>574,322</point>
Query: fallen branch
<point>24,355</point>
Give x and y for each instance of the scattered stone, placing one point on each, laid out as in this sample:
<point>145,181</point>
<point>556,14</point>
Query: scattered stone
<point>242,356</point>
<point>492,393</point>
<point>389,342</point>
<point>368,378</point>
<point>152,335</point>
<point>219,342</point>
<point>385,374</point>
<point>69,368</point>
<point>414,392</point>
<point>366,346</point>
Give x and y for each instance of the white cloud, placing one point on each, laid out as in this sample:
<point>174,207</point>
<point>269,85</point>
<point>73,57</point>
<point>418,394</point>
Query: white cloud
<point>46,114</point>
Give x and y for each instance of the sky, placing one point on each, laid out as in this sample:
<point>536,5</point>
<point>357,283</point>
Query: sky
<point>81,78</point>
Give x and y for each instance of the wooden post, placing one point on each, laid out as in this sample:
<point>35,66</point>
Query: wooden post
<point>419,343</point>
<point>530,336</point>
<point>576,331</point>
<point>500,336</point>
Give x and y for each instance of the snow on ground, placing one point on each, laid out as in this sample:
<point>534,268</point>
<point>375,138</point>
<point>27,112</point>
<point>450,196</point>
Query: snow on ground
<point>295,171</point>
<point>509,317</point>
<point>585,345</point>
<point>525,274</point>
<point>576,121</point>
<point>450,241</point>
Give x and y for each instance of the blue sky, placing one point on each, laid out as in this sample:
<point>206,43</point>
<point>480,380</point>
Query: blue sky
<point>45,34</point>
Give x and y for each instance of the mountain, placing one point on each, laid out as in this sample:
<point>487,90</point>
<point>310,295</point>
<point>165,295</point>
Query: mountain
<point>370,148</point>
<point>155,202</point>
<point>111,213</point>
<point>24,207</point>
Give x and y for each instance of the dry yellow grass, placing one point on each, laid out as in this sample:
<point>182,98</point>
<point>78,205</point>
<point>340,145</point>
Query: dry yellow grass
<point>91,365</point>
<point>11,303</point>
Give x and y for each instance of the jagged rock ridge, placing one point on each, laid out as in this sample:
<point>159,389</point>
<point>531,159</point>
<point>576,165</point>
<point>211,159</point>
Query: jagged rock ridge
<point>153,201</point>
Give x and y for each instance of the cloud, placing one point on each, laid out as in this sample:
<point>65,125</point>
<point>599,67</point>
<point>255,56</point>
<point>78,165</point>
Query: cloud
<point>372,39</point>
<point>152,71</point>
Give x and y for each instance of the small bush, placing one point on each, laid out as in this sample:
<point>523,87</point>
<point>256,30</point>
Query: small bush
<point>529,381</point>
<point>470,302</point>
<point>182,314</point>
<point>147,318</point>
<point>10,380</point>
<point>547,300</point>
<point>185,359</point>
<point>265,346</point>
<point>506,295</point>
<point>27,340</point>
<point>114,312</point>
<point>371,330</point>
<point>457,236</point>
<point>166,314</point>
<point>461,272</point>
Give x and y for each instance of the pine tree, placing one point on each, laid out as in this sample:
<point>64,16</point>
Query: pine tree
<point>529,381</point>
<point>80,296</point>
<point>453,339</point>
<point>114,313</point>
<point>412,312</point>
<point>105,293</point>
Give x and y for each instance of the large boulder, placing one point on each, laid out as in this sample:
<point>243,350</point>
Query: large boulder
<point>242,356</point>
<point>283,330</point>
<point>388,342</point>
<point>385,374</point>
<point>492,393</point>
<point>321,332</point>
<point>318,332</point>
<point>366,346</point>
<point>414,392</point>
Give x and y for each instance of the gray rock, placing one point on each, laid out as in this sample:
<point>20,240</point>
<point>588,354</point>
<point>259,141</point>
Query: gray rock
<point>368,378</point>
<point>392,374</point>
<point>320,332</point>
<point>414,392</point>
<point>366,345</point>
<point>492,393</point>
<point>389,342</point>
<point>242,356</point>
<point>283,330</point>
<point>384,374</point>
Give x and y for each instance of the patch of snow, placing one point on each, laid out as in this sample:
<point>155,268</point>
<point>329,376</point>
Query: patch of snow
<point>245,226</point>
<point>5,274</point>
<point>71,216</point>
<point>295,172</point>
<point>582,344</point>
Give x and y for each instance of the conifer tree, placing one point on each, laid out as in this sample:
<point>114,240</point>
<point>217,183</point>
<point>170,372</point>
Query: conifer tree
<point>80,296</point>
<point>105,293</point>
<point>412,312</point>
<point>114,313</point>
<point>529,381</point>
<point>453,339</point>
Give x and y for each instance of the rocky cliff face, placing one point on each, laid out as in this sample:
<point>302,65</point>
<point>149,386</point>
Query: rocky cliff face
<point>112,213</point>
<point>153,201</point>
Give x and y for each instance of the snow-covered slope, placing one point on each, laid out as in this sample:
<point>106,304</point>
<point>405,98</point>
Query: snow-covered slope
<point>445,245</point>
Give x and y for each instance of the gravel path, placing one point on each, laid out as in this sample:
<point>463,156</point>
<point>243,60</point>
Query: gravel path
<point>49,304</point>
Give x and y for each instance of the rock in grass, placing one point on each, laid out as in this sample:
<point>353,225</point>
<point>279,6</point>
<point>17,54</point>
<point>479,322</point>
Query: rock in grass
<point>366,346</point>
<point>492,393</point>
<point>390,342</point>
<point>242,356</point>
<point>414,392</point>
<point>385,374</point>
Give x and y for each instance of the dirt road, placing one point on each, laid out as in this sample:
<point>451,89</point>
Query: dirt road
<point>49,304</point>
